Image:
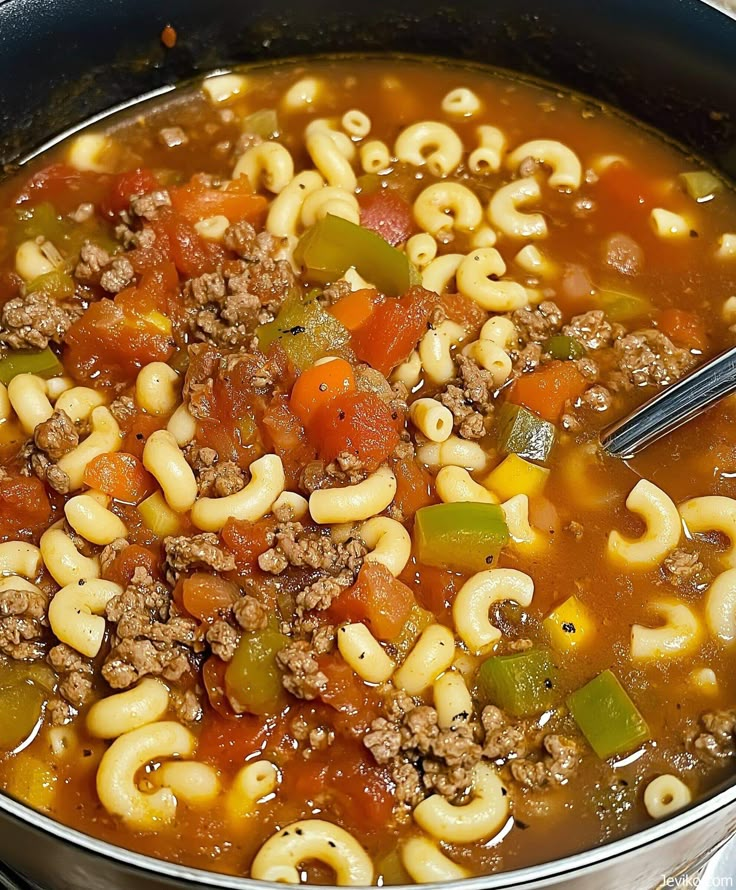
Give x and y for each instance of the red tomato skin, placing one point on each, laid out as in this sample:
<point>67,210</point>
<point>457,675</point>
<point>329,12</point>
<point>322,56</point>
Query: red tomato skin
<point>387,214</point>
<point>360,423</point>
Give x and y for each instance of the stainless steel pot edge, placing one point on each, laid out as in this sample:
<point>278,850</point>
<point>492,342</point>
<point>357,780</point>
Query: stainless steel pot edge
<point>549,873</point>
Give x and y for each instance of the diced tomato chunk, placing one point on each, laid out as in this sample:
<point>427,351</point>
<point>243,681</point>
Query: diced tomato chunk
<point>207,597</point>
<point>122,568</point>
<point>191,254</point>
<point>125,186</point>
<point>393,329</point>
<point>65,187</point>
<point>547,390</point>
<point>360,423</point>
<point>414,487</point>
<point>354,310</point>
<point>683,328</point>
<point>388,214</point>
<point>377,598</point>
<point>25,509</point>
<point>318,385</point>
<point>247,540</point>
<point>196,200</point>
<point>227,741</point>
<point>284,431</point>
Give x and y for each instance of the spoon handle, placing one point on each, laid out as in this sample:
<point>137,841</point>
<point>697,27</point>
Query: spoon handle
<point>672,407</point>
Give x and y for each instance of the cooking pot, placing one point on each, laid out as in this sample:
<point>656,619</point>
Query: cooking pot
<point>668,62</point>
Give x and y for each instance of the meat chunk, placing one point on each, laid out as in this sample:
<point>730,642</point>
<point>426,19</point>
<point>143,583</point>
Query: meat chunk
<point>148,206</point>
<point>537,325</point>
<point>56,436</point>
<point>130,660</point>
<point>37,463</point>
<point>123,409</point>
<point>201,551</point>
<point>250,614</point>
<point>186,705</point>
<point>93,260</point>
<point>118,275</point>
<point>223,639</point>
<point>648,358</point>
<point>717,740</point>
<point>23,620</point>
<point>593,329</point>
<point>558,766</point>
<point>322,593</point>
<point>220,480</point>
<point>294,545</point>
<point>34,320</point>
<point>684,569</point>
<point>302,676</point>
<point>623,254</point>
<point>504,739</point>
<point>470,398</point>
<point>75,674</point>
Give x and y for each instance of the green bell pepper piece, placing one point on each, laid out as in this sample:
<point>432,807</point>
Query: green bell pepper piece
<point>21,706</point>
<point>44,364</point>
<point>57,284</point>
<point>460,536</point>
<point>620,306</point>
<point>610,721</point>
<point>332,245</point>
<point>263,123</point>
<point>304,330</point>
<point>521,684</point>
<point>701,185</point>
<point>564,348</point>
<point>253,678</point>
<point>522,432</point>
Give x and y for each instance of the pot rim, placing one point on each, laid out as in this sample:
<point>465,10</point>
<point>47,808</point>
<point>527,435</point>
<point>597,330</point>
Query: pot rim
<point>588,861</point>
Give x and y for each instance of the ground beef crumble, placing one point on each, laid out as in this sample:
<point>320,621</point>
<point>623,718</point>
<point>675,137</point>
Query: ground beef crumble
<point>203,551</point>
<point>469,398</point>
<point>23,620</point>
<point>76,674</point>
<point>717,736</point>
<point>56,436</point>
<point>294,545</point>
<point>32,321</point>
<point>647,358</point>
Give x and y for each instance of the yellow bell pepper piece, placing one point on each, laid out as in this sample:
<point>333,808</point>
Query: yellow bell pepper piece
<point>514,475</point>
<point>158,516</point>
<point>570,625</point>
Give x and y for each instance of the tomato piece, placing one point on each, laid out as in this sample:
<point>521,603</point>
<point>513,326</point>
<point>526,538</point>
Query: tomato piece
<point>247,540</point>
<point>393,329</point>
<point>547,390</point>
<point>25,508</point>
<point>355,703</point>
<point>354,310</point>
<point>414,487</point>
<point>377,598</point>
<point>387,214</point>
<point>286,435</point>
<point>683,328</point>
<point>113,339</point>
<point>435,588</point>
<point>227,741</point>
<point>318,385</point>
<point>121,476</point>
<point>360,423</point>
<point>138,429</point>
<point>207,597</point>
<point>125,186</point>
<point>191,254</point>
<point>121,569</point>
<point>464,311</point>
<point>65,187</point>
<point>626,186</point>
<point>196,200</point>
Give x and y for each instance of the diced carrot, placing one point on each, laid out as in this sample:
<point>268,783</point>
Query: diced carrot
<point>683,328</point>
<point>121,476</point>
<point>547,390</point>
<point>138,429</point>
<point>354,310</point>
<point>377,598</point>
<point>359,423</point>
<point>318,385</point>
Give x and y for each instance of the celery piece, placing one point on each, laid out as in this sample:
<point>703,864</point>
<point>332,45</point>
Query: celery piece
<point>305,331</point>
<point>57,284</point>
<point>701,185</point>
<point>608,718</point>
<point>522,684</point>
<point>263,123</point>
<point>564,348</point>
<point>522,432</point>
<point>21,706</point>
<point>253,678</point>
<point>20,361</point>
<point>415,623</point>
<point>620,306</point>
<point>460,536</point>
<point>332,245</point>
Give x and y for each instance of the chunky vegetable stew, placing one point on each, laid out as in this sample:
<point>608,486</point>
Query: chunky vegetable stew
<point>312,568</point>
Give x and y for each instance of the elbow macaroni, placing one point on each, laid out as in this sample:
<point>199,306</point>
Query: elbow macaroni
<point>163,458</point>
<point>157,388</point>
<point>388,542</point>
<point>456,485</point>
<point>445,206</point>
<point>662,534</point>
<point>28,397</point>
<point>432,419</point>
<point>20,558</point>
<point>477,279</point>
<point>122,712</point>
<point>426,863</point>
<point>720,607</point>
<point>75,613</point>
<point>64,562</point>
<point>268,163</point>
<point>504,213</point>
<point>453,452</point>
<point>431,143</point>
<point>93,521</point>
<point>679,635</point>
<point>252,783</point>
<point>435,351</point>
<point>475,598</point>
<point>432,654</point>
<point>567,172</point>
<point>354,503</point>
<point>665,795</point>
<point>365,655</point>
<point>713,513</point>
<point>104,438</point>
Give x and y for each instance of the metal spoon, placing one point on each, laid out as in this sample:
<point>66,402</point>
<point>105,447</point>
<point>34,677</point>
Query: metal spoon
<point>673,407</point>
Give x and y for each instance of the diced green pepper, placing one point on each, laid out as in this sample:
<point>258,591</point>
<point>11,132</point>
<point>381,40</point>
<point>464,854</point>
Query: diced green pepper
<point>701,185</point>
<point>57,284</point>
<point>564,348</point>
<point>40,221</point>
<point>415,623</point>
<point>369,183</point>
<point>21,707</point>
<point>263,123</point>
<point>610,721</point>
<point>332,245</point>
<point>44,363</point>
<point>619,306</point>
<point>522,432</point>
<point>304,330</point>
<point>461,536</point>
<point>522,684</point>
<point>252,678</point>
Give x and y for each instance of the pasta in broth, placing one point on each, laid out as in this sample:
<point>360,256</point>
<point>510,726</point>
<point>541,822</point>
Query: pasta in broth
<point>311,567</point>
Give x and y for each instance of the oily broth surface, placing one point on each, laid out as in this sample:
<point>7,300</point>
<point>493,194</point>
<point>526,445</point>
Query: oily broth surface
<point>698,460</point>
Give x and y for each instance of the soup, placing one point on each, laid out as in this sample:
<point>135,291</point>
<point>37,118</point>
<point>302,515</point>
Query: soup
<point>313,568</point>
